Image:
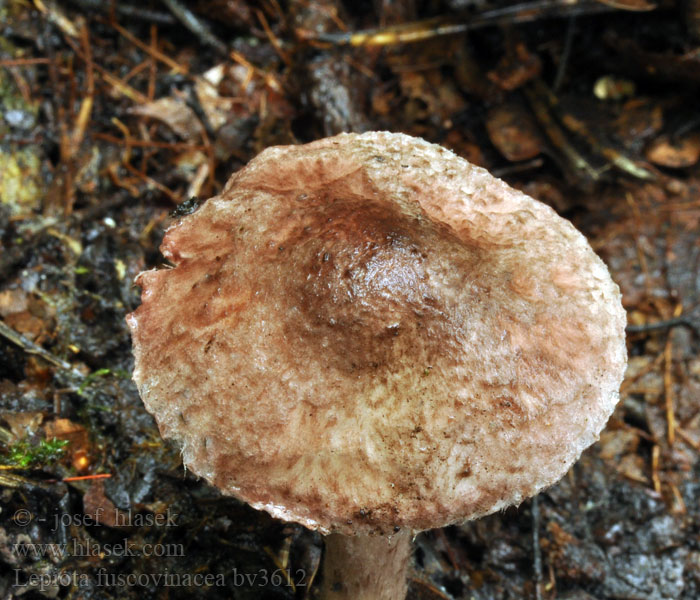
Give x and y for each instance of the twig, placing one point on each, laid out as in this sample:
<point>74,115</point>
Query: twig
<point>270,80</point>
<point>641,257</point>
<point>83,118</point>
<point>56,16</point>
<point>126,155</point>
<point>576,126</point>
<point>86,477</point>
<point>148,143</point>
<point>686,127</point>
<point>195,25</point>
<point>153,65</point>
<point>142,66</point>
<point>668,383</point>
<point>175,198</point>
<point>642,372</point>
<point>119,182</point>
<point>120,85</point>
<point>276,44</point>
<point>454,563</point>
<point>97,211</point>
<point>21,84</point>
<point>21,62</point>
<point>537,555</point>
<point>520,167</point>
<point>123,88</point>
<point>557,136</point>
<point>31,348</point>
<point>133,12</point>
<point>566,53</point>
<point>655,453</point>
<point>397,34</point>
<point>208,132</point>
<point>421,30</point>
<point>193,102</point>
<point>693,205</point>
<point>149,49</point>
<point>679,506</point>
<point>668,392</point>
<point>12,480</point>
<point>684,321</point>
<point>687,439</point>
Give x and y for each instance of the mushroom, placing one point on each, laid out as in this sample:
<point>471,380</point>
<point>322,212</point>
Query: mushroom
<point>372,337</point>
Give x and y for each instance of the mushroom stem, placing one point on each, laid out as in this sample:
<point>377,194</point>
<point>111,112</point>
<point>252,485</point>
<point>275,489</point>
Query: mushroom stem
<point>364,567</point>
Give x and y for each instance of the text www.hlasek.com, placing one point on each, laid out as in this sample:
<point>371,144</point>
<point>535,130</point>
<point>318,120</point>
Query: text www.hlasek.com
<point>88,548</point>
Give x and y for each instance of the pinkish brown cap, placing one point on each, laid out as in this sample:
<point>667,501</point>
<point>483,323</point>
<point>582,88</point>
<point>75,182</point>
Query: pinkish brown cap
<point>368,332</point>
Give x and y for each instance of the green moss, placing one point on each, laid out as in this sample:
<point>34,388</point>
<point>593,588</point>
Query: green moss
<point>24,454</point>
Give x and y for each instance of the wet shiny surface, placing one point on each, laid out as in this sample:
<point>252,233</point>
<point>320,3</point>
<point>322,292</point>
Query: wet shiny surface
<point>368,332</point>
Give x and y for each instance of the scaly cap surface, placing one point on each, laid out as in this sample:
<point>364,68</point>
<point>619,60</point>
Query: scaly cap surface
<point>368,331</point>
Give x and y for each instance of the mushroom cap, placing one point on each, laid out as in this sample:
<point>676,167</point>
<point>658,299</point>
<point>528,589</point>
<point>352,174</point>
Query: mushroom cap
<point>368,332</point>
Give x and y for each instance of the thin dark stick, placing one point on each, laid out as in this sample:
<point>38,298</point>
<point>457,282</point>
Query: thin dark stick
<point>537,555</point>
<point>667,323</point>
<point>133,12</point>
<point>421,30</point>
<point>566,53</point>
<point>193,102</point>
<point>31,348</point>
<point>195,25</point>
